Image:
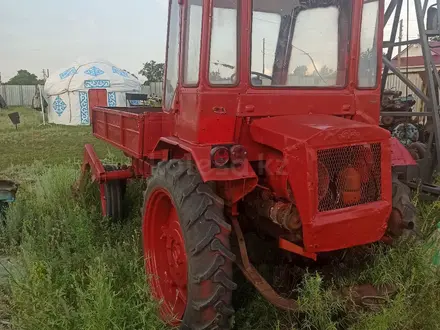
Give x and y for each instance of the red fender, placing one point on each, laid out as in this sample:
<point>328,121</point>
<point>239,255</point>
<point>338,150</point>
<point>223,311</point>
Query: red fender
<point>400,156</point>
<point>232,183</point>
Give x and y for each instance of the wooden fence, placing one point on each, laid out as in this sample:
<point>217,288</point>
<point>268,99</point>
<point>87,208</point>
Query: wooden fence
<point>18,95</point>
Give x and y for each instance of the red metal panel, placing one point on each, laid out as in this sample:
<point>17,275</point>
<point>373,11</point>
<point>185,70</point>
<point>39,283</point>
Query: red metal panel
<point>348,227</point>
<point>300,138</point>
<point>208,118</point>
<point>289,246</point>
<point>92,162</point>
<point>317,130</point>
<point>136,131</point>
<point>202,157</point>
<point>156,125</point>
<point>122,129</point>
<point>400,156</point>
<point>97,97</point>
<point>141,168</point>
<point>296,101</point>
<point>368,106</point>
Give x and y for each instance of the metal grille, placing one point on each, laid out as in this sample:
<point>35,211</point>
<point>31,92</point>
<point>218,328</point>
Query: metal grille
<point>361,162</point>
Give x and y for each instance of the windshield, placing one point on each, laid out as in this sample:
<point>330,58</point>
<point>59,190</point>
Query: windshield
<point>300,45</point>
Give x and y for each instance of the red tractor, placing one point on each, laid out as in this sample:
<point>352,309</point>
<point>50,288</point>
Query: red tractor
<point>270,122</point>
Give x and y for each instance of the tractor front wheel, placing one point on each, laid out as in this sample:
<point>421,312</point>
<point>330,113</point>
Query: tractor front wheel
<point>404,212</point>
<point>187,248</point>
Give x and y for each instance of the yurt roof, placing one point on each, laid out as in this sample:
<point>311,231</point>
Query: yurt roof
<point>85,74</point>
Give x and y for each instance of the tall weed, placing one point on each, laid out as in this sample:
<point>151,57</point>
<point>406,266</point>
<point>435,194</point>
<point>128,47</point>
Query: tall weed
<point>74,270</point>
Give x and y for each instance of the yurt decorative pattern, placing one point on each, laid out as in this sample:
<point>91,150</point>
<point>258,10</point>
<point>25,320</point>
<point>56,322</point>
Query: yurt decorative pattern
<point>69,91</point>
<point>59,106</point>
<point>111,99</point>
<point>94,71</point>
<point>96,83</point>
<point>84,107</point>
<point>69,72</point>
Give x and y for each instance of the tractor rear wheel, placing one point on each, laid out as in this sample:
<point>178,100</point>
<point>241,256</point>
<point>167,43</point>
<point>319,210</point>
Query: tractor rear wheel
<point>187,248</point>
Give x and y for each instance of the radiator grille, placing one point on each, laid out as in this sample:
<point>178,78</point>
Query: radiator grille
<point>333,163</point>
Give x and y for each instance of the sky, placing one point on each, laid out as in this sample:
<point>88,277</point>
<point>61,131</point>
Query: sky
<point>51,34</point>
<point>317,40</point>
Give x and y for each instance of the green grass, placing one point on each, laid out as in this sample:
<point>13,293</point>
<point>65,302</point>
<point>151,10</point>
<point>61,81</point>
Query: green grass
<point>70,269</point>
<point>48,144</point>
<point>73,270</point>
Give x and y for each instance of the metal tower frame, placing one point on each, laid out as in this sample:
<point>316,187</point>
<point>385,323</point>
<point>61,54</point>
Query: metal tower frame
<point>430,99</point>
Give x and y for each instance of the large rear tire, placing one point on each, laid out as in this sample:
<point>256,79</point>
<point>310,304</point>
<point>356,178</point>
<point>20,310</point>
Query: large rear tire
<point>187,248</point>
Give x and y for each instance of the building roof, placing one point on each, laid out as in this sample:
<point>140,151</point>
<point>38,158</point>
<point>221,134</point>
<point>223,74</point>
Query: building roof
<point>418,61</point>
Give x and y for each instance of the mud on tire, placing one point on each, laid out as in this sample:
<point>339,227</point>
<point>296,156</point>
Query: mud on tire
<point>206,237</point>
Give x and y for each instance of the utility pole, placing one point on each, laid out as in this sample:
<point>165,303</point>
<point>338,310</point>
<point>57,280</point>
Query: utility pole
<point>400,46</point>
<point>264,55</point>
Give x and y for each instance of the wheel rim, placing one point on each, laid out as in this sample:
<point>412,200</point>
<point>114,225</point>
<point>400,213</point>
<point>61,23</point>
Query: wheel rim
<point>164,252</point>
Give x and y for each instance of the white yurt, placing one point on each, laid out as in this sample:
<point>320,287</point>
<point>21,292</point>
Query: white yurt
<point>73,91</point>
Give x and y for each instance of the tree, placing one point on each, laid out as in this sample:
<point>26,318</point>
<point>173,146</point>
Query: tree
<point>215,76</point>
<point>24,77</point>
<point>153,72</point>
<point>300,71</point>
<point>367,68</point>
<point>325,71</point>
<point>367,62</point>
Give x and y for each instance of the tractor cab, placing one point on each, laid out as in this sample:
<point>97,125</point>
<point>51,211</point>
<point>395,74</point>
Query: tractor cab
<point>265,58</point>
<point>295,84</point>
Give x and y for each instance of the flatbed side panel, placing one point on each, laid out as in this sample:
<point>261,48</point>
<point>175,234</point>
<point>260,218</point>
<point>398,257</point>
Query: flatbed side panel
<point>122,129</point>
<point>156,125</point>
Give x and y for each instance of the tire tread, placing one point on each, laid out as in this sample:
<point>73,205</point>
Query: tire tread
<point>202,220</point>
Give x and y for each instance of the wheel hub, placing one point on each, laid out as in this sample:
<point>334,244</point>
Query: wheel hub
<point>165,255</point>
<point>176,255</point>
